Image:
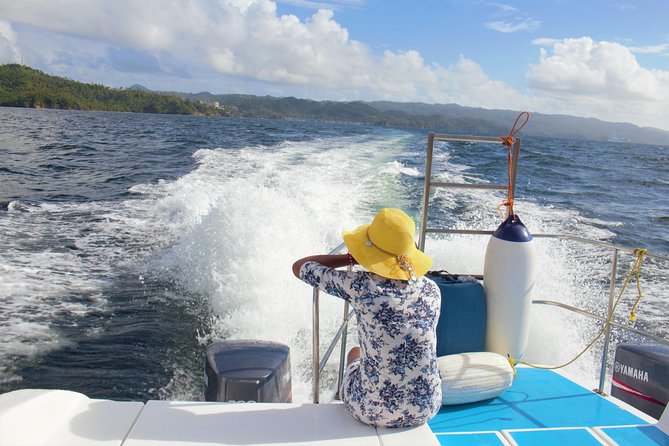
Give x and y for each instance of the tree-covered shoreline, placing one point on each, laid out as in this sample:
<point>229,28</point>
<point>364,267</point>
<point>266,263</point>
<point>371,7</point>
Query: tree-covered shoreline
<point>22,86</point>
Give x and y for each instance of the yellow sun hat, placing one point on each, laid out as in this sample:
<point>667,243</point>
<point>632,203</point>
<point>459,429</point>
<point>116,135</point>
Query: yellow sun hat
<point>387,246</point>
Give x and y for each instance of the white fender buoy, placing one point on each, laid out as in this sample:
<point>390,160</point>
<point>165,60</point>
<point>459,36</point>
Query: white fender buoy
<point>471,377</point>
<point>508,279</point>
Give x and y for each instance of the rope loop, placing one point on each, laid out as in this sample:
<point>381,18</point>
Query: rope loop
<point>508,203</point>
<point>508,140</point>
<point>640,253</point>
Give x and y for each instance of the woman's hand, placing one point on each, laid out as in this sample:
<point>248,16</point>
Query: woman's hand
<point>331,261</point>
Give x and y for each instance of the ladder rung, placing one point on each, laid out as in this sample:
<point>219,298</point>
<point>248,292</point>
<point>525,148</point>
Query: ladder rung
<point>513,156</point>
<point>467,138</point>
<point>457,231</point>
<point>468,186</point>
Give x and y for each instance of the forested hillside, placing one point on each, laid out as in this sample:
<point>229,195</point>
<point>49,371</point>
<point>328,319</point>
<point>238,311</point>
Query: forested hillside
<point>442,118</point>
<point>22,86</point>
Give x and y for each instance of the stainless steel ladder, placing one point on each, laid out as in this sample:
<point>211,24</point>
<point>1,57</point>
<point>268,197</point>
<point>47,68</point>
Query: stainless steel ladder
<point>430,184</point>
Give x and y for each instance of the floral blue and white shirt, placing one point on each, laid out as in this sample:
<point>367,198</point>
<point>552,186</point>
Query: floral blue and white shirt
<point>396,383</point>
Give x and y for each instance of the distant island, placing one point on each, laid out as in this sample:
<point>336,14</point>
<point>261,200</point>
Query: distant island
<point>22,86</point>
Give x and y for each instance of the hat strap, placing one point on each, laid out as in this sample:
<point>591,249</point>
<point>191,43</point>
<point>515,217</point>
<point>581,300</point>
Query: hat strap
<point>405,263</point>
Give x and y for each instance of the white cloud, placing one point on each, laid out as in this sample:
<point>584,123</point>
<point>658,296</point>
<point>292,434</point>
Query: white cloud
<point>662,48</point>
<point>600,79</point>
<point>503,7</point>
<point>334,5</point>
<point>248,40</point>
<point>509,27</point>
<point>9,51</point>
<point>467,84</point>
<point>545,41</point>
<point>244,38</point>
<point>246,46</point>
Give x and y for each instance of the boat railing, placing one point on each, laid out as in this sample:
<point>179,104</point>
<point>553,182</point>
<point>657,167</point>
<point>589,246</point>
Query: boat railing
<point>513,158</point>
<point>613,280</point>
<point>319,362</point>
<point>340,335</point>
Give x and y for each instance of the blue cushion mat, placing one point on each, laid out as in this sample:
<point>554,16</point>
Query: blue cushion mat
<point>638,436</point>
<point>537,399</point>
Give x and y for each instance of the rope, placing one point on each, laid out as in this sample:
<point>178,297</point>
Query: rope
<point>508,142</point>
<point>513,366</point>
<point>640,254</point>
<point>636,268</point>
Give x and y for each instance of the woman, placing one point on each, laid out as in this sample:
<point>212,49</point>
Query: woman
<point>392,379</point>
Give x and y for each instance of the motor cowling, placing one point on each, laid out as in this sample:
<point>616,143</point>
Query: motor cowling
<point>248,370</point>
<point>641,377</point>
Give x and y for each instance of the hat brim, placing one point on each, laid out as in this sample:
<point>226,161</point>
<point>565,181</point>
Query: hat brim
<point>380,262</point>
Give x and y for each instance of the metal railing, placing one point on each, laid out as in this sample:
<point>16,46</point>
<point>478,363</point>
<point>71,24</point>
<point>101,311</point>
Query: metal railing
<point>511,187</point>
<point>615,251</point>
<point>320,363</point>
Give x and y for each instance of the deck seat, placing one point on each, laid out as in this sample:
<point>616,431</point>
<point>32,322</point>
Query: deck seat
<point>208,424</point>
<point>61,417</point>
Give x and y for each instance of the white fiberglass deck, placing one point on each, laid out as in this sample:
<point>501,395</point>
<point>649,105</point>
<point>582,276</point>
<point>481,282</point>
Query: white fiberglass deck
<point>57,417</point>
<point>541,408</point>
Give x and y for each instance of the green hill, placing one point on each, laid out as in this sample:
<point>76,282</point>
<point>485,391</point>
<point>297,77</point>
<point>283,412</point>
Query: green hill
<point>22,86</point>
<point>339,111</point>
<point>446,118</point>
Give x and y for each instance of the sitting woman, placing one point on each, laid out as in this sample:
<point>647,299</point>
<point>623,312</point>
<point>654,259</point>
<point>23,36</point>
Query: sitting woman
<point>392,379</point>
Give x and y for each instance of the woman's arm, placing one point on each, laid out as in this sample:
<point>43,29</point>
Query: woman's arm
<point>331,261</point>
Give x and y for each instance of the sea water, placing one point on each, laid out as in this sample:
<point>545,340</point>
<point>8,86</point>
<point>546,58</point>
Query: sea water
<point>132,241</point>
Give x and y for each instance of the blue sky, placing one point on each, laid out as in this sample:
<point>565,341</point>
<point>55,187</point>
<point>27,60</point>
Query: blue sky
<point>607,59</point>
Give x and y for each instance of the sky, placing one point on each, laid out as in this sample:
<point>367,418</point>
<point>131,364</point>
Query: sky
<point>605,59</point>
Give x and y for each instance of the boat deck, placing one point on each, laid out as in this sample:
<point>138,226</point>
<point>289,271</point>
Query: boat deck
<point>544,408</point>
<point>541,408</point>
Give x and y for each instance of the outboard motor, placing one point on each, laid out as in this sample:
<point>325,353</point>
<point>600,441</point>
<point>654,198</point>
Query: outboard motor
<point>641,377</point>
<point>248,370</point>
